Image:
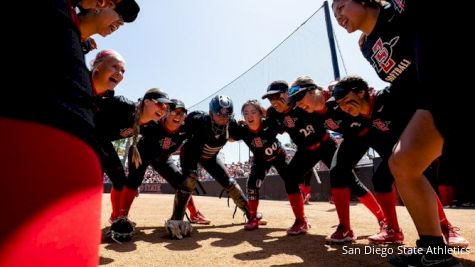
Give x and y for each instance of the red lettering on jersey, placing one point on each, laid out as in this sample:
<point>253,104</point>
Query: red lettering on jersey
<point>399,5</point>
<point>331,124</point>
<point>289,122</point>
<point>166,143</point>
<point>126,132</point>
<point>382,55</point>
<point>258,142</point>
<point>381,125</point>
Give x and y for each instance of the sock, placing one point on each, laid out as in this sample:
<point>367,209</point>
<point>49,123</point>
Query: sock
<point>115,203</point>
<point>442,218</point>
<point>296,202</point>
<point>128,196</point>
<point>191,207</point>
<point>388,204</point>
<point>253,204</point>
<point>341,197</point>
<point>370,202</point>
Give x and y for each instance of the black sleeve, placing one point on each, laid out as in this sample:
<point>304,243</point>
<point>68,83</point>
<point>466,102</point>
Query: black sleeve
<point>273,121</point>
<point>193,122</point>
<point>235,130</point>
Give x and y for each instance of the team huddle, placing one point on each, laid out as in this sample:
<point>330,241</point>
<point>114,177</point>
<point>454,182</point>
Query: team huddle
<point>74,110</point>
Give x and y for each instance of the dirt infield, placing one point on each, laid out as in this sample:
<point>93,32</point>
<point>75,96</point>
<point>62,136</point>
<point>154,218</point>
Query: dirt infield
<point>225,243</point>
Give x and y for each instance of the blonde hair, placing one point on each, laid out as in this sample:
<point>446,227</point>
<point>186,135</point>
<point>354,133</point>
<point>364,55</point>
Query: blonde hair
<point>304,79</point>
<point>103,55</point>
<point>136,158</point>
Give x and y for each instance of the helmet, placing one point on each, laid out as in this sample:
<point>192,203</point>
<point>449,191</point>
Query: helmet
<point>221,105</point>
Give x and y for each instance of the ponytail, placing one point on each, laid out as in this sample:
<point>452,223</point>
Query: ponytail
<point>136,159</point>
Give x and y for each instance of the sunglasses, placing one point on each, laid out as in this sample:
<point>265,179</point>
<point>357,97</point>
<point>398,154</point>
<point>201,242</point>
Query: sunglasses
<point>300,88</point>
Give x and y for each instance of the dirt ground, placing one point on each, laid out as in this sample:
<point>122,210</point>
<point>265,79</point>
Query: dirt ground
<point>225,243</point>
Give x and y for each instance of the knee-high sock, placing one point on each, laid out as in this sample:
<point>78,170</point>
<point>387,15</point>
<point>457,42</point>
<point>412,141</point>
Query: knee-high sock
<point>115,202</point>
<point>388,204</point>
<point>442,217</point>
<point>341,197</point>
<point>370,202</point>
<point>253,204</point>
<point>128,196</point>
<point>191,206</point>
<point>446,194</point>
<point>296,202</point>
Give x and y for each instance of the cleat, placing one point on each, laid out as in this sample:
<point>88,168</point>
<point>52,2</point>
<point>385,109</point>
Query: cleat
<point>452,238</point>
<point>341,236</point>
<point>261,219</point>
<point>252,224</point>
<point>387,235</point>
<point>299,227</point>
<point>199,218</point>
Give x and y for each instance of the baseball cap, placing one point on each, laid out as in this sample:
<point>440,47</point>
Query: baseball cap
<point>339,92</point>
<point>276,87</point>
<point>297,92</point>
<point>158,97</point>
<point>178,104</point>
<point>127,9</point>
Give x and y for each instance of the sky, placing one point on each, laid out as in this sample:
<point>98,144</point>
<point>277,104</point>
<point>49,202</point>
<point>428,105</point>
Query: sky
<point>191,49</point>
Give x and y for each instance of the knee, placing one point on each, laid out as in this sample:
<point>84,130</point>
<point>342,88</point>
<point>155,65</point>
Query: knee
<point>401,168</point>
<point>189,184</point>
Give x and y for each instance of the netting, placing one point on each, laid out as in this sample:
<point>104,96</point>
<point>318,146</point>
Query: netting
<point>306,51</point>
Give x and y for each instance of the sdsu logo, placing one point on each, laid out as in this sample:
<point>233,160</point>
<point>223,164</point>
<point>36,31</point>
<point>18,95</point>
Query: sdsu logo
<point>127,132</point>
<point>332,125</point>
<point>289,122</point>
<point>383,126</point>
<point>166,143</point>
<point>382,53</point>
<point>257,142</point>
<point>399,5</point>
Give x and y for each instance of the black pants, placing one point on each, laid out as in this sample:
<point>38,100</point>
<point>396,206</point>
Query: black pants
<point>112,165</point>
<point>260,168</point>
<point>163,165</point>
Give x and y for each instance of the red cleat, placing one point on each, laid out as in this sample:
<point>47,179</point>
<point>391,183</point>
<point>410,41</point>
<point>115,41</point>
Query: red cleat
<point>452,238</point>
<point>341,236</point>
<point>299,227</point>
<point>199,218</point>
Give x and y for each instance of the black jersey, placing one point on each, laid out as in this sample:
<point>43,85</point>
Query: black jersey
<point>341,122</point>
<point>390,47</point>
<point>160,142</point>
<point>387,121</point>
<point>58,94</point>
<point>263,143</point>
<point>206,138</point>
<point>304,128</point>
<point>114,117</point>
